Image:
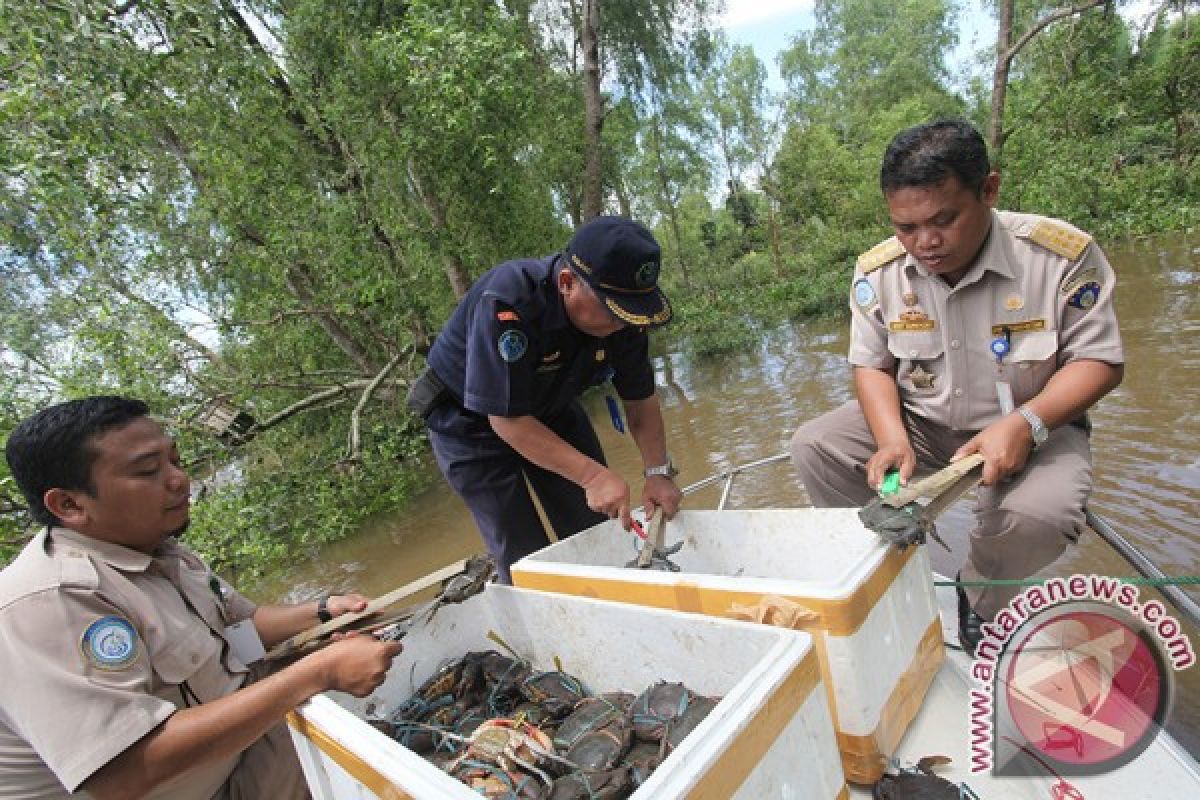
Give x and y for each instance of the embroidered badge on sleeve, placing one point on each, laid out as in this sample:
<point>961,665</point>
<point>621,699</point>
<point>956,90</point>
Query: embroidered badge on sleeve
<point>109,643</point>
<point>512,345</point>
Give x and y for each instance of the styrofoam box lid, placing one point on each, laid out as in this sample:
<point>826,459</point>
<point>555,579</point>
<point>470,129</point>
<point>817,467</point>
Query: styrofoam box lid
<point>609,646</point>
<point>813,552</point>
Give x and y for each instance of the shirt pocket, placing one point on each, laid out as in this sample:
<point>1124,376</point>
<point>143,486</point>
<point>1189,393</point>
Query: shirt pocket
<point>1032,360</point>
<point>176,661</point>
<point>922,353</point>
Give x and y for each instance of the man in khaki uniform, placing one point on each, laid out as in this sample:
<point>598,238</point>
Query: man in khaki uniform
<point>124,658</point>
<point>973,331</point>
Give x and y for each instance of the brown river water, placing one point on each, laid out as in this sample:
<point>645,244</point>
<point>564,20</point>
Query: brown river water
<point>739,408</point>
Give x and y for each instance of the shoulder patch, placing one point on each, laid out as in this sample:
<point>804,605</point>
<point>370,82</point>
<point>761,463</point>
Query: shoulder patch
<point>109,643</point>
<point>1059,239</point>
<point>512,345</point>
<point>882,253</point>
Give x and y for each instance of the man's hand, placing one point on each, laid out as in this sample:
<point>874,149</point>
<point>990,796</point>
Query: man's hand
<point>608,494</point>
<point>660,490</point>
<point>357,663</point>
<point>898,454</point>
<point>1004,445</point>
<point>339,604</point>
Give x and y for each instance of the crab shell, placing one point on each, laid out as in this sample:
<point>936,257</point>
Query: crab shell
<point>685,723</point>
<point>602,749</point>
<point>499,784</point>
<point>592,785</point>
<point>657,706</point>
<point>590,714</point>
<point>495,739</point>
<point>557,691</point>
<point>914,786</point>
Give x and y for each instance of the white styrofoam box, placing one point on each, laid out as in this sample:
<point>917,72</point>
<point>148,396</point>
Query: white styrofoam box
<point>876,621</point>
<point>771,736</point>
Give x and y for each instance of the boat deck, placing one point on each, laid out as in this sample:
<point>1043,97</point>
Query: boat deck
<point>1164,770</point>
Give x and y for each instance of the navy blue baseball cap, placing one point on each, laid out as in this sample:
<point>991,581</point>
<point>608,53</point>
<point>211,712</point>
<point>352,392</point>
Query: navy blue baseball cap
<point>620,260</point>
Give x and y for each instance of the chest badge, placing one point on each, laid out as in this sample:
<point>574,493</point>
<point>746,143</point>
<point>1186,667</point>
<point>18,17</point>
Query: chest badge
<point>109,643</point>
<point>910,299</point>
<point>1014,302</point>
<point>912,319</point>
<point>512,345</point>
<point>921,378</point>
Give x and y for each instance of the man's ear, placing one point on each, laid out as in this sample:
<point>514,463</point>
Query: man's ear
<point>990,189</point>
<point>65,504</point>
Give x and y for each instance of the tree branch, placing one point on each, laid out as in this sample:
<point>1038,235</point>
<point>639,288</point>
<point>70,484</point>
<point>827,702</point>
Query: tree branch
<point>355,445</point>
<point>1044,22</point>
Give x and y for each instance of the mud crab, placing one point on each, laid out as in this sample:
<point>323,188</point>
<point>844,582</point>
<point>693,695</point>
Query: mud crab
<point>592,785</point>
<point>557,692</point>
<point>920,783</point>
<point>512,746</point>
<point>685,723</point>
<point>590,714</point>
<point>656,707</point>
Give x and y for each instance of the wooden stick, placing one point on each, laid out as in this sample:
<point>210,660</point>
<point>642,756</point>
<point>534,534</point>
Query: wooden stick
<point>655,535</point>
<point>293,644</point>
<point>937,483</point>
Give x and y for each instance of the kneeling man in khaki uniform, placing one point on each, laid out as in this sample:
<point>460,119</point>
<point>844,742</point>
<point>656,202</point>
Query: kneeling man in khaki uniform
<point>973,331</point>
<point>125,659</point>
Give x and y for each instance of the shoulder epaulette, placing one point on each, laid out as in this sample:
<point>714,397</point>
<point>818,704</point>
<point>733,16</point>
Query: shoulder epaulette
<point>882,253</point>
<point>1058,238</point>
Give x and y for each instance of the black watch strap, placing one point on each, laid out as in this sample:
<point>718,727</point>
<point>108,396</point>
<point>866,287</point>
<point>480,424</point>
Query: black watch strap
<point>323,609</point>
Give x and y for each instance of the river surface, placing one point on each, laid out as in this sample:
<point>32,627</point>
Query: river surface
<point>738,408</point>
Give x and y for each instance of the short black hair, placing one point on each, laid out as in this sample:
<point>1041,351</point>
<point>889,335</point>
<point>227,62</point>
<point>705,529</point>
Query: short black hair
<point>52,449</point>
<point>926,155</point>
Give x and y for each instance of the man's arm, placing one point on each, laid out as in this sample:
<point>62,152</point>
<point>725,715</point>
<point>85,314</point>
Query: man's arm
<point>650,435</point>
<point>1071,391</point>
<point>607,492</point>
<point>218,730</point>
<point>880,402</point>
<point>276,623</point>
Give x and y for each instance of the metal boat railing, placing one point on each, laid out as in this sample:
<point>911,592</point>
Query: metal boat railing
<point>1179,599</point>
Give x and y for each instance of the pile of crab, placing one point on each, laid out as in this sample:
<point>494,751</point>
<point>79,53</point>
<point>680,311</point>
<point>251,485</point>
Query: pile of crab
<point>508,731</point>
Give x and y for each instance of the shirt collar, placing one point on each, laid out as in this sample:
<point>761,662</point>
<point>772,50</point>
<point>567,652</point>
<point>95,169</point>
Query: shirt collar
<point>995,256</point>
<point>123,558</point>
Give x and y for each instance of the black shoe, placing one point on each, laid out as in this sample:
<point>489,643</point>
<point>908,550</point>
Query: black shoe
<point>970,624</point>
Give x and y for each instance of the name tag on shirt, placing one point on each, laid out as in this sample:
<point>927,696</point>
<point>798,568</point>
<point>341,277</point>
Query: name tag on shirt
<point>244,642</point>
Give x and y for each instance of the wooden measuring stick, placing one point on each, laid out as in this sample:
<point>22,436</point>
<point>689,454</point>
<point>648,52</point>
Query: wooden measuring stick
<point>655,536</point>
<point>293,644</point>
<point>939,482</point>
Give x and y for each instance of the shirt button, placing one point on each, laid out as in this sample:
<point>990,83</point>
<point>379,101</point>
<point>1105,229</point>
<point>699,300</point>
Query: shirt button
<point>195,658</point>
<point>958,392</point>
<point>955,344</point>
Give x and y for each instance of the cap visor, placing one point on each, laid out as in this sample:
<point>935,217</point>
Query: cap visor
<point>649,310</point>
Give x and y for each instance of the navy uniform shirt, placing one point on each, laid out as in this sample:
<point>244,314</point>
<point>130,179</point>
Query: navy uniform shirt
<point>510,350</point>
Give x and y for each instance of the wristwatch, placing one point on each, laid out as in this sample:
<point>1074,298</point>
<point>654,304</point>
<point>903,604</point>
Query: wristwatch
<point>1038,428</point>
<point>323,609</point>
<point>666,470</point>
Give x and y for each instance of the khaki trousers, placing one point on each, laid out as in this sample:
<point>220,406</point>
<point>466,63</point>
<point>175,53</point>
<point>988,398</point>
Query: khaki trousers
<point>269,768</point>
<point>1021,526</point>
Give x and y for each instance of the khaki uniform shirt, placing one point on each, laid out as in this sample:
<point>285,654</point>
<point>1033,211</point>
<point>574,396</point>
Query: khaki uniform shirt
<point>99,644</point>
<point>1041,281</point>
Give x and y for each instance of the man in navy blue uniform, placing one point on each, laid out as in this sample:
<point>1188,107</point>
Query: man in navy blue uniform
<point>501,393</point>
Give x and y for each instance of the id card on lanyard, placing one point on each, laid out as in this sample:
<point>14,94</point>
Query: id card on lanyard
<point>1000,347</point>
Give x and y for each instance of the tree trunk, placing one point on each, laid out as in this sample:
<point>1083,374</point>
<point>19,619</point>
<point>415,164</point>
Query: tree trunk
<point>593,107</point>
<point>1006,51</point>
<point>1000,80</point>
<point>300,284</point>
